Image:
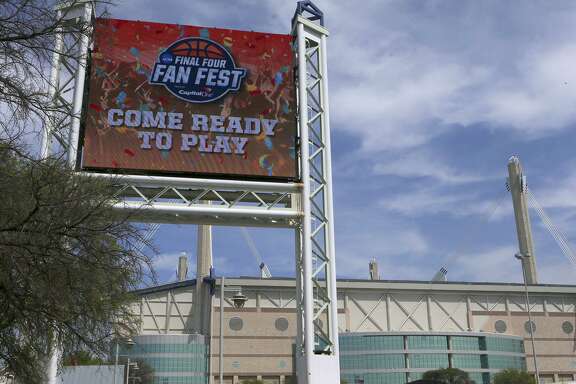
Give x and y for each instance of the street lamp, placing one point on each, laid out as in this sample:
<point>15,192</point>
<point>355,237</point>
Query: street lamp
<point>238,300</point>
<point>523,257</point>
<point>129,343</point>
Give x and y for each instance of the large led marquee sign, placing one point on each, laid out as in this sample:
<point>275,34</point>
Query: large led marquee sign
<point>173,99</point>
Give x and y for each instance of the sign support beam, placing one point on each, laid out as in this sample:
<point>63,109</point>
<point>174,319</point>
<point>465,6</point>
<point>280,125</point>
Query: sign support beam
<point>317,345</point>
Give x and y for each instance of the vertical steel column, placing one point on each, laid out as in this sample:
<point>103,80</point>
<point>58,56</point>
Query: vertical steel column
<point>53,90</point>
<point>79,87</point>
<point>67,76</point>
<point>317,352</point>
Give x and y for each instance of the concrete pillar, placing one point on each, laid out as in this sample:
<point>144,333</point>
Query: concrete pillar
<point>203,264</point>
<point>523,228</point>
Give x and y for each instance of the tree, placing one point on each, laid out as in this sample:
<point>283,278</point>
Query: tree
<point>514,376</point>
<point>67,264</point>
<point>67,261</point>
<point>448,376</point>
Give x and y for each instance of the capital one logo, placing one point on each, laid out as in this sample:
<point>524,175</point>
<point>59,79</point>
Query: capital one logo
<point>197,70</point>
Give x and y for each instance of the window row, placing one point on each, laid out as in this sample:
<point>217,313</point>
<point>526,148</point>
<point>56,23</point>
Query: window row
<point>164,348</point>
<point>430,342</point>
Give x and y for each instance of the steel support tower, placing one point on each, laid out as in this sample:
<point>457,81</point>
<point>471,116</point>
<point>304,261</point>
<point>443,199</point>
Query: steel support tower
<point>304,206</point>
<point>317,343</point>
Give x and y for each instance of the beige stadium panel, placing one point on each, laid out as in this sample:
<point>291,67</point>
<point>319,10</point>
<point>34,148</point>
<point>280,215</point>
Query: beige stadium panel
<point>277,299</point>
<point>366,311</point>
<point>447,313</point>
<point>256,347</point>
<point>256,365</point>
<point>488,303</point>
<point>559,304</point>
<point>408,312</point>
<point>252,324</point>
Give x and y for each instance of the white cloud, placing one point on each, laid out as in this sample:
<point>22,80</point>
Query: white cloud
<point>557,273</point>
<point>496,264</point>
<point>410,82</point>
<point>360,240</point>
<point>169,262</point>
<point>426,201</point>
<point>421,164</point>
<point>499,265</point>
<point>559,192</point>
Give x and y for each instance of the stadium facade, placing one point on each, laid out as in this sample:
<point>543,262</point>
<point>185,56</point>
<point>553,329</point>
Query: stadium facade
<point>390,331</point>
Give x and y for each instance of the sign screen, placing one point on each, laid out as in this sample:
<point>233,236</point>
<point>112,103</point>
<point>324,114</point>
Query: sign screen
<point>173,99</point>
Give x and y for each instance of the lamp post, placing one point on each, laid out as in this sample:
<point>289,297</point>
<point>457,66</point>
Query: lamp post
<point>523,259</point>
<point>128,370</point>
<point>129,343</point>
<point>238,299</point>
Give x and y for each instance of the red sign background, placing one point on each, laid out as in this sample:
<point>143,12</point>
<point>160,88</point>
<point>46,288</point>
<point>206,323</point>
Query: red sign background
<point>125,53</point>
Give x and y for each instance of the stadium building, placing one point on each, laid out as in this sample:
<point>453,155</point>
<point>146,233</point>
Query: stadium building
<point>390,331</point>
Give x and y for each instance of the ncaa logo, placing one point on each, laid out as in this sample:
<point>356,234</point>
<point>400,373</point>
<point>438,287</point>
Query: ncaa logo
<point>197,70</point>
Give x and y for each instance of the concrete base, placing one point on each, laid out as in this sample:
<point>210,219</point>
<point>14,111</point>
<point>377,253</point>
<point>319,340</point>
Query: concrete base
<point>324,369</point>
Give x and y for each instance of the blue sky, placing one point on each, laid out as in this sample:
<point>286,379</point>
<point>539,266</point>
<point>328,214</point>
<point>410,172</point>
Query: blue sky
<point>428,101</point>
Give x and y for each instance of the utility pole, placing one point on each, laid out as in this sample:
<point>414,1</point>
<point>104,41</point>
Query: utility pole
<point>518,189</point>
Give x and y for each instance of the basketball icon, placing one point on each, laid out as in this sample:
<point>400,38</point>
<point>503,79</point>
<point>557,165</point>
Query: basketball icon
<point>197,70</point>
<point>198,48</point>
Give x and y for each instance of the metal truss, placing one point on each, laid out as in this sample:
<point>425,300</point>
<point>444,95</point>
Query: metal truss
<point>317,344</point>
<point>206,201</point>
<point>67,76</point>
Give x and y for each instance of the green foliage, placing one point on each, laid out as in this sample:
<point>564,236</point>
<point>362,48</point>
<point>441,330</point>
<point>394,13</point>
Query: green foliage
<point>81,358</point>
<point>448,376</point>
<point>514,376</point>
<point>252,381</point>
<point>67,264</point>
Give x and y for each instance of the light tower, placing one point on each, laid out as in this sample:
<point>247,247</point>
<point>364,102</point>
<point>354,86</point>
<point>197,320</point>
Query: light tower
<point>518,189</point>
